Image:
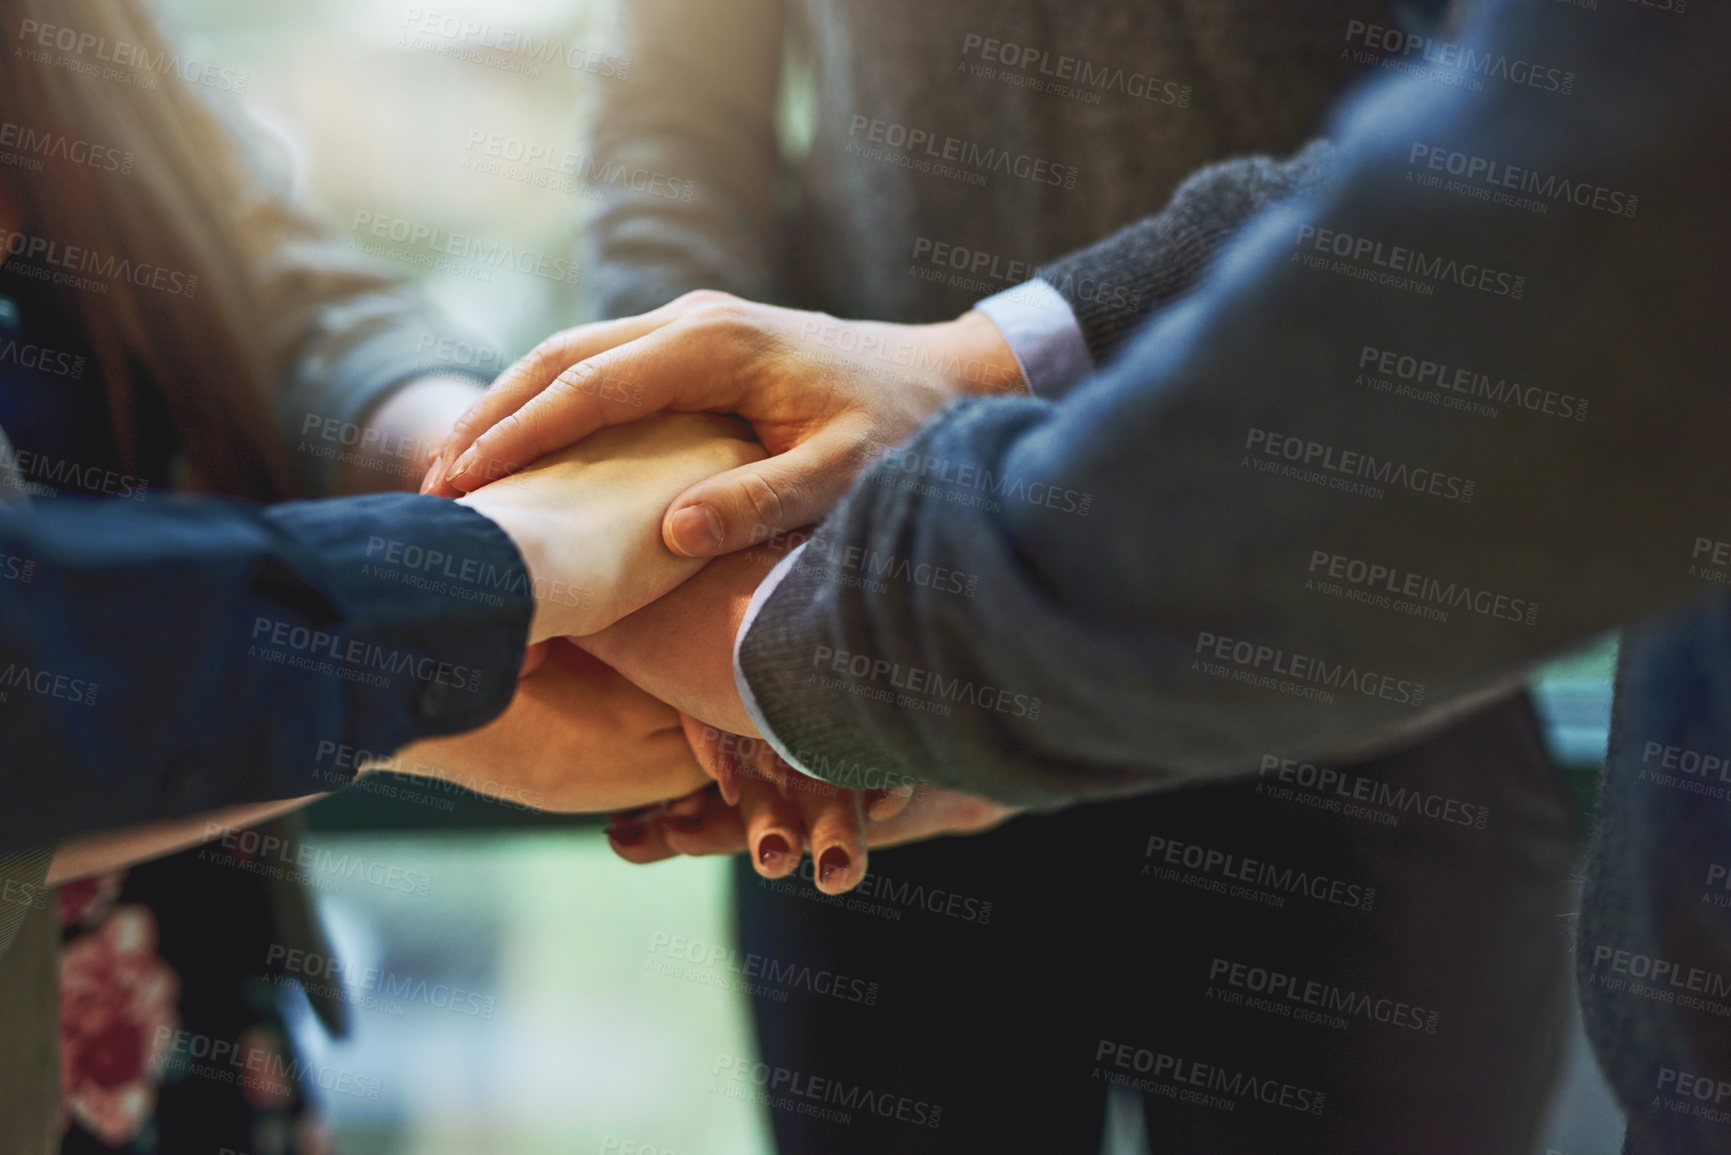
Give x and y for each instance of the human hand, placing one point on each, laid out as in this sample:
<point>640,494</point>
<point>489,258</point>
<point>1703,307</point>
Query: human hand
<point>780,813</point>
<point>823,395</point>
<point>576,737</point>
<point>680,648</point>
<point>586,518</point>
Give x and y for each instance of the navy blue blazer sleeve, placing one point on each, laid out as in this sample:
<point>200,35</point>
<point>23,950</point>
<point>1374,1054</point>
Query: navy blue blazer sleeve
<point>171,656</point>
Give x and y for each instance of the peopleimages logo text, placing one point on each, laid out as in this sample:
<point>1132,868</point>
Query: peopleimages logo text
<point>124,54</point>
<point>930,683</point>
<point>955,150</point>
<point>1258,872</point>
<point>1411,262</point>
<point>1398,44</point>
<point>1073,70</point>
<point>1354,463</point>
<point>1273,660</point>
<point>353,654</point>
<point>79,260</point>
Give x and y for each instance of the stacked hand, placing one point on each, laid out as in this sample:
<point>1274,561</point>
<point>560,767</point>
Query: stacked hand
<point>760,805</point>
<point>578,736</point>
<point>558,451</point>
<point>584,517</point>
<point>823,396</point>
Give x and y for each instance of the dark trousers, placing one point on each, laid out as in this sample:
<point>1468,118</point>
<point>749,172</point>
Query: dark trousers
<point>1283,965</point>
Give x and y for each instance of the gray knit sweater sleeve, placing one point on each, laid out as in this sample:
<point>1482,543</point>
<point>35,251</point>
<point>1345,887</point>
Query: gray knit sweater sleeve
<point>1158,259</point>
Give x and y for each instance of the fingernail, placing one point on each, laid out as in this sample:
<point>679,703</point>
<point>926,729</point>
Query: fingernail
<point>432,474</point>
<point>686,824</point>
<point>627,817</point>
<point>696,531</point>
<point>770,850</point>
<point>629,834</point>
<point>461,465</point>
<point>834,861</point>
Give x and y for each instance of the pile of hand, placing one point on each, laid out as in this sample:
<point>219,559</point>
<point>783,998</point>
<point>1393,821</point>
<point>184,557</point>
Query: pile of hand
<point>646,534</point>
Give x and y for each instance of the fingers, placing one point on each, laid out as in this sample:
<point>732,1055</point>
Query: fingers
<point>883,805</point>
<point>774,827</point>
<point>835,829</point>
<point>697,824</point>
<point>833,820</point>
<point>747,505</point>
<point>935,812</point>
<point>720,764</point>
<point>528,377</point>
<point>672,366</point>
<point>638,836</point>
<point>713,828</point>
<point>779,813</point>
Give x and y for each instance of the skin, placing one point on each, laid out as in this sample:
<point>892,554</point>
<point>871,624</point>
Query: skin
<point>576,736</point>
<point>704,824</point>
<point>824,396</point>
<point>609,488</point>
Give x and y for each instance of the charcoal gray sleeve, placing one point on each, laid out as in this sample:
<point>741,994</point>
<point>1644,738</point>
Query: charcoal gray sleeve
<point>686,157</point>
<point>1115,285</point>
<point>1409,436</point>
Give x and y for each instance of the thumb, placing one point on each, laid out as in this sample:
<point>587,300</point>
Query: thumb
<point>752,503</point>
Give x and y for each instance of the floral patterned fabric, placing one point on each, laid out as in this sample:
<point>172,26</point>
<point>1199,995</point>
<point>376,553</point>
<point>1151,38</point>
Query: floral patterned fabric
<point>117,1014</point>
<point>171,1031</point>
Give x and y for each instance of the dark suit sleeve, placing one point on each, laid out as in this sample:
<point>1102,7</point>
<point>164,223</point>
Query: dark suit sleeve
<point>1409,437</point>
<point>169,657</point>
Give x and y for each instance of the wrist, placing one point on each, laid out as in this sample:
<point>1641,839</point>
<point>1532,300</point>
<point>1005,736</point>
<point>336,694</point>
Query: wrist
<point>984,364</point>
<point>523,528</point>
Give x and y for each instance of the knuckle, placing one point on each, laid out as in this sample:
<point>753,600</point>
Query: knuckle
<point>762,501</point>
<point>572,378</point>
<point>728,318</point>
<point>548,353</point>
<point>577,384</point>
<point>702,298</point>
<point>465,429</point>
<point>489,465</point>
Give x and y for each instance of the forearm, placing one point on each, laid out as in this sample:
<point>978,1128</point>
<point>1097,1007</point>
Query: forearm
<point>344,339</point>
<point>397,435</point>
<point>88,854</point>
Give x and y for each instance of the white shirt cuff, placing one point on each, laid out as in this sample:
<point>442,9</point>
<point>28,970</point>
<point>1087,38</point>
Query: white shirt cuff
<point>1044,335</point>
<point>764,589</point>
